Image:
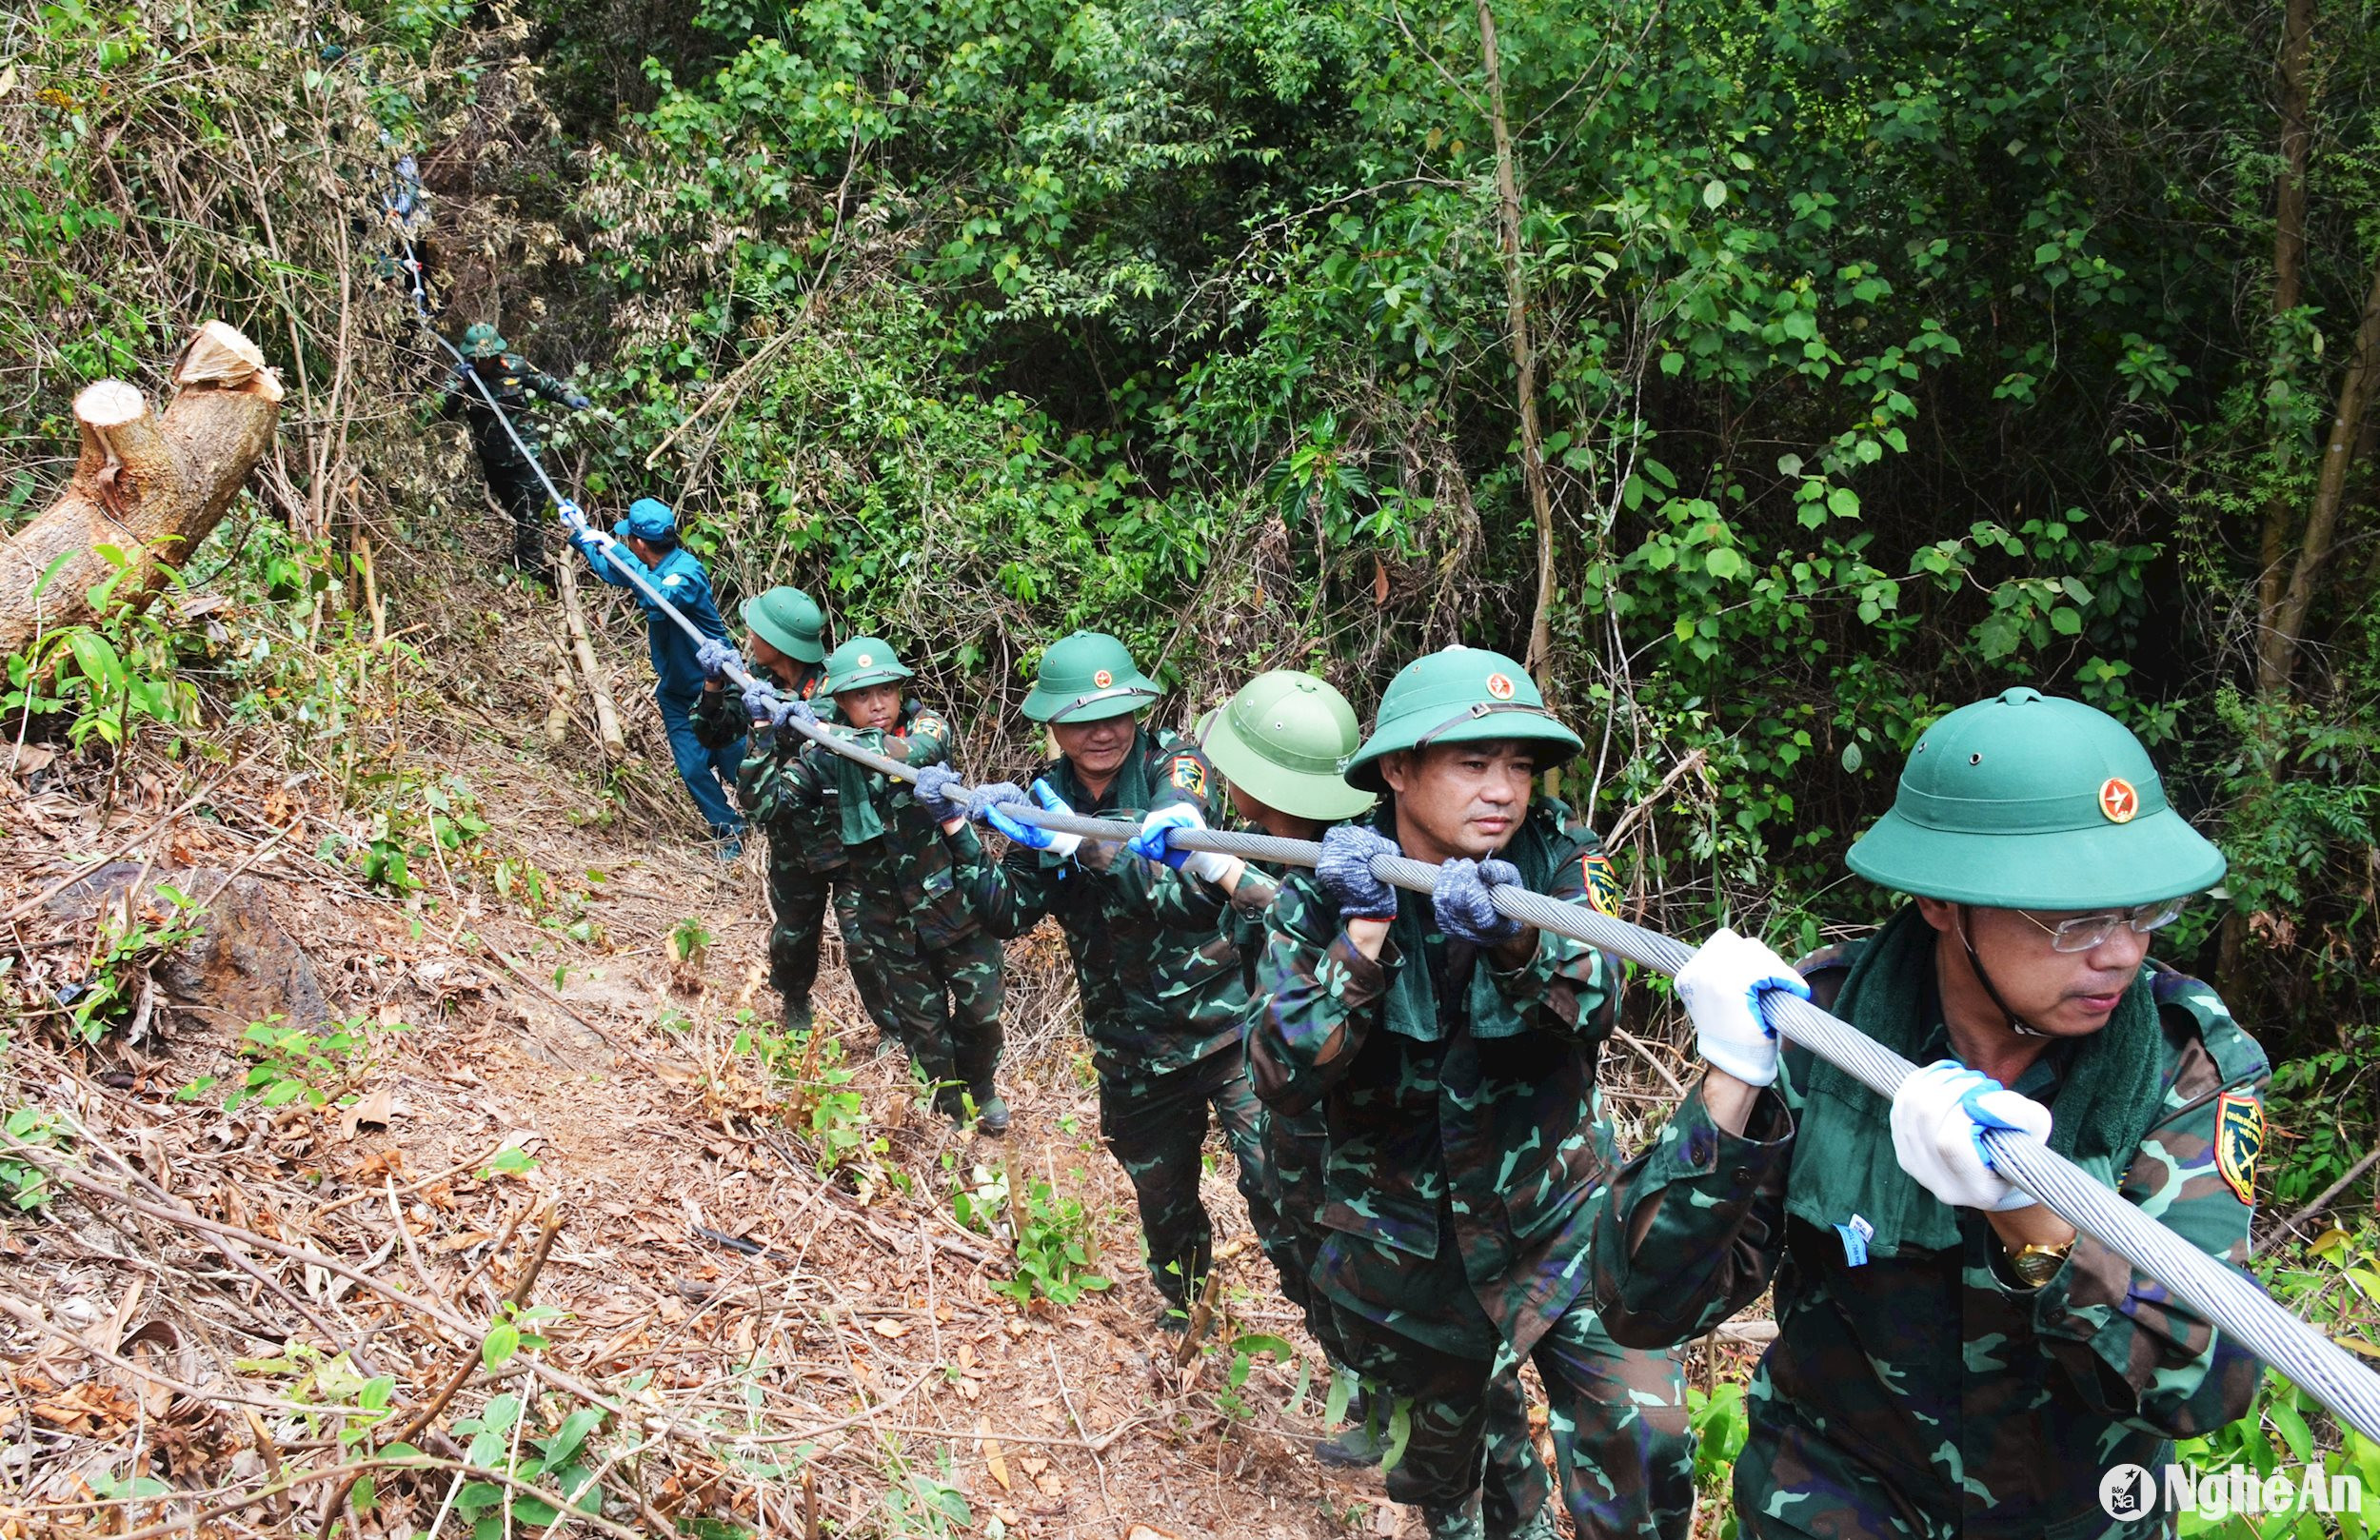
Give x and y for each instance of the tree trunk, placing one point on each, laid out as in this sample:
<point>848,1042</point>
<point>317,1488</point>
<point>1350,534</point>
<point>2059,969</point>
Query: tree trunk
<point>2289,260</point>
<point>2279,647</point>
<point>151,486</point>
<point>1524,353</point>
<point>583,647</point>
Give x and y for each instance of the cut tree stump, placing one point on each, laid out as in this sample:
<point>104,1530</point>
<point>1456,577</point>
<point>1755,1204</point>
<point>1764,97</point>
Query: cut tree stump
<point>151,485</point>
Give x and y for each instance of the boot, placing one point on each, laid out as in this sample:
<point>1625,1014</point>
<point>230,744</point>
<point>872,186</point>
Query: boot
<point>1365,1437</point>
<point>1459,1523</point>
<point>991,1113</point>
<point>794,1014</point>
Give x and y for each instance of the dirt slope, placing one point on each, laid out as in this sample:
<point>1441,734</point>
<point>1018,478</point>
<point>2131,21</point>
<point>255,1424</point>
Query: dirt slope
<point>760,1337</point>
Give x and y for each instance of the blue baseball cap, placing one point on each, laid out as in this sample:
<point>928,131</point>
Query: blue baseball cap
<point>649,518</point>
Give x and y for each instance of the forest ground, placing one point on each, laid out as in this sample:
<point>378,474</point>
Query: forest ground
<point>735,1305</point>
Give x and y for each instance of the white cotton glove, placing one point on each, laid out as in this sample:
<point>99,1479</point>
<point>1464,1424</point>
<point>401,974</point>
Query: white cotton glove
<point>1721,985</point>
<point>1938,1117</point>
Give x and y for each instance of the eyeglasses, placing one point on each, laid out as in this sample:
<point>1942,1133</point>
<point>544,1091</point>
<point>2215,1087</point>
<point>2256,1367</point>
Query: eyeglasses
<point>2084,931</point>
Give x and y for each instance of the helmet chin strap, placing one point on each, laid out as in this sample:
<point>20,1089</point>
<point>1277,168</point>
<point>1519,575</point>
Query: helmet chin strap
<point>2015,1023</point>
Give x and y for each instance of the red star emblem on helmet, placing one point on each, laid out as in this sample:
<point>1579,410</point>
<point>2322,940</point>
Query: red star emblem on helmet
<point>2118,801</point>
<point>1500,686</point>
<point>1102,678</point>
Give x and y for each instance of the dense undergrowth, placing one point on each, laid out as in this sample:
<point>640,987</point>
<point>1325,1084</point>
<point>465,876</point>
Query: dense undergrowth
<point>1884,357</point>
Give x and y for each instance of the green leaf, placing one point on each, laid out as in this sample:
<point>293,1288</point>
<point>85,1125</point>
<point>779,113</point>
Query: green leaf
<point>2293,1430</point>
<point>1723,561</point>
<point>1851,757</point>
<point>1843,502</point>
<point>1715,195</point>
<point>502,1342</point>
<point>1400,1434</point>
<point>2066,621</point>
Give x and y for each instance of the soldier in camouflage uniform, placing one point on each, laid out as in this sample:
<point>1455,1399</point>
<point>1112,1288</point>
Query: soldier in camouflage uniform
<point>938,968</point>
<point>1161,1007</point>
<point>1952,1359</point>
<point>1453,1052</point>
<point>513,380</point>
<point>1277,744</point>
<point>785,635</point>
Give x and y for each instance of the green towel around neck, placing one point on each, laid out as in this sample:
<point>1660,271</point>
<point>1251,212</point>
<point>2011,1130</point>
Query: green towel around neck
<point>1843,1162</point>
<point>856,787</point>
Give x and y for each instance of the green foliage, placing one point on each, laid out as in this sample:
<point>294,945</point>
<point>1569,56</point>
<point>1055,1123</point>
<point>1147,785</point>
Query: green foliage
<point>557,1462</point>
<point>689,941</point>
<point>291,1064</point>
<point>134,937</point>
<point>1719,1424</point>
<point>417,820</point>
<point>113,673</point>
<point>23,1184</point>
<point>1049,1235</point>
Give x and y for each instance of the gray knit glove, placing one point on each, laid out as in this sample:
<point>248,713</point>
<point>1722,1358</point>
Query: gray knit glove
<point>1465,911</point>
<point>933,792</point>
<point>1345,872</point>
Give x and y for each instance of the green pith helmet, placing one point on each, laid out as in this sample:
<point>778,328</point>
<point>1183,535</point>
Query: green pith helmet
<point>480,340</point>
<point>862,662</point>
<point>1461,695</point>
<point>1280,738</point>
<point>789,620</point>
<point>2031,801</point>
<point>1087,677</point>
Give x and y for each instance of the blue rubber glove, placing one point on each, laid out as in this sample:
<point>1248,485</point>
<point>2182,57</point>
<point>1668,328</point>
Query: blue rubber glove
<point>1465,910</point>
<point>1939,1116</point>
<point>1725,987</point>
<point>576,402</point>
<point>1155,842</point>
<point>713,656</point>
<point>933,794</point>
<point>1345,872</point>
<point>1032,836</point>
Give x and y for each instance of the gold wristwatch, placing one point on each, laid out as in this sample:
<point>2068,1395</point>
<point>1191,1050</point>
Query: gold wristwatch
<point>2035,1265</point>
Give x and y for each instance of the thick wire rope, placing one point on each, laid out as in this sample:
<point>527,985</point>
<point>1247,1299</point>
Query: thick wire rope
<point>2226,1297</point>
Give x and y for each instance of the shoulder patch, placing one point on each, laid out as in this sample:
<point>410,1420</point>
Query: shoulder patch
<point>1190,776</point>
<point>670,580</point>
<point>2238,1142</point>
<point>1602,882</point>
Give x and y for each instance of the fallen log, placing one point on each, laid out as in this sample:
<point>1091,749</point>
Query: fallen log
<point>151,485</point>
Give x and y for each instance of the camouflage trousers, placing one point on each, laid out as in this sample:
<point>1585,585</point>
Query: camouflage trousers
<point>1294,1150</point>
<point>943,1005</point>
<point>1156,1128</point>
<point>1618,1415</point>
<point>800,900</point>
<point>516,488</point>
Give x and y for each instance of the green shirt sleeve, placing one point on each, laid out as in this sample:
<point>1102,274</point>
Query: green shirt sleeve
<point>1322,994</point>
<point>2131,1349</point>
<point>1688,1231</point>
<point>1009,896</point>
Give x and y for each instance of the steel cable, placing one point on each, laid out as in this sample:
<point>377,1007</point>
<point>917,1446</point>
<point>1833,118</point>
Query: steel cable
<point>2226,1297</point>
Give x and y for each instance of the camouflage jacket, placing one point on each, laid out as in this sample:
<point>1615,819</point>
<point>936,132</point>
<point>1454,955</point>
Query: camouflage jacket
<point>801,841</point>
<point>1155,998</point>
<point>1989,1408</point>
<point>512,388</point>
<point>1458,1095</point>
<point>905,879</point>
